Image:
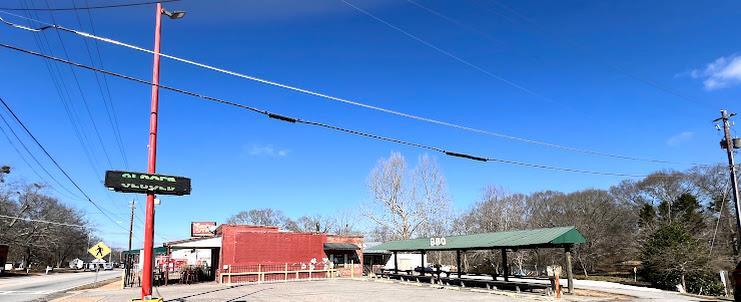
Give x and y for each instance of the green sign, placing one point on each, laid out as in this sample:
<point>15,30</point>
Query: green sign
<point>135,182</point>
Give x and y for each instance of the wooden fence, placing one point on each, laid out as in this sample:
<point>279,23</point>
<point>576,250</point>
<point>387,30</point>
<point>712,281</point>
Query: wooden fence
<point>275,272</point>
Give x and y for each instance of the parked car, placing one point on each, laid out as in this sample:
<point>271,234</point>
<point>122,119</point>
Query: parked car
<point>76,264</point>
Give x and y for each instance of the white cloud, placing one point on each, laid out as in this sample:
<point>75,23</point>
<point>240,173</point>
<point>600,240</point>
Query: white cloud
<point>266,150</point>
<point>680,138</point>
<point>721,73</point>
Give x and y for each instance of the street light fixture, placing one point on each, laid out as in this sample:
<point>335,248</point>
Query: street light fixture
<point>175,14</point>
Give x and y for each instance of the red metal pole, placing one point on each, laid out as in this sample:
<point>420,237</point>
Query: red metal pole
<point>152,163</point>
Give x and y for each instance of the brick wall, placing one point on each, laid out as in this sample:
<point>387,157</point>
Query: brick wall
<point>245,245</point>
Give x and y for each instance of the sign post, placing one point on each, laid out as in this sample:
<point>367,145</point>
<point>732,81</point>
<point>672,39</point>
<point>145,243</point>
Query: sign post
<point>150,184</point>
<point>99,251</point>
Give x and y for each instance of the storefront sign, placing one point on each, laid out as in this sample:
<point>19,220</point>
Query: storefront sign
<point>439,241</point>
<point>135,182</point>
<point>202,229</point>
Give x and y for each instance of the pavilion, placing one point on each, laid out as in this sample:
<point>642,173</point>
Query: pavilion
<point>558,237</point>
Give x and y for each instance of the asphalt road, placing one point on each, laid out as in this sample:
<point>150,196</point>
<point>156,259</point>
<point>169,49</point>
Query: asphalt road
<point>36,287</point>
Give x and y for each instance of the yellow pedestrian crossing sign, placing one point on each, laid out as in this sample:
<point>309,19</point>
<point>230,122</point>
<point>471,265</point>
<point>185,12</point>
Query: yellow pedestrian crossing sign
<point>99,250</point>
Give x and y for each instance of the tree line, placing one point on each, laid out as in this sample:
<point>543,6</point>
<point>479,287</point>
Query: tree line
<point>341,223</point>
<point>32,241</point>
<point>674,227</point>
<point>677,227</point>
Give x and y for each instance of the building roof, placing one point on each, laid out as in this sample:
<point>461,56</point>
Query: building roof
<point>370,248</point>
<point>157,251</point>
<point>338,246</point>
<point>549,237</point>
<point>195,243</point>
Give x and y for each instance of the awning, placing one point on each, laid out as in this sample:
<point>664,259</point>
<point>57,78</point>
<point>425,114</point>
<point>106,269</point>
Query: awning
<point>340,247</point>
<point>195,243</point>
<point>157,251</point>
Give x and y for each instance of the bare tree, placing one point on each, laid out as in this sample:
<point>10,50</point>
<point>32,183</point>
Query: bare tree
<point>345,222</point>
<point>316,223</point>
<point>266,217</point>
<point>408,203</point>
<point>35,241</point>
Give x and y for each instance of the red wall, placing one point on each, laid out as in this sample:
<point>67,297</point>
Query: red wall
<point>244,245</point>
<point>267,248</point>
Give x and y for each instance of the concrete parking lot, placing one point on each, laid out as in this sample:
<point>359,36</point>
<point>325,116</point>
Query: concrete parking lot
<point>355,290</point>
<point>318,290</point>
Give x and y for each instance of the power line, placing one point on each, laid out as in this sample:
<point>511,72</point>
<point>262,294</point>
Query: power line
<point>42,221</point>
<point>612,66</point>
<point>349,101</point>
<point>324,125</point>
<point>107,102</point>
<point>69,109</point>
<point>75,8</point>
<point>30,166</point>
<point>63,91</point>
<point>82,95</point>
<point>33,157</point>
<point>447,53</point>
<point>64,172</point>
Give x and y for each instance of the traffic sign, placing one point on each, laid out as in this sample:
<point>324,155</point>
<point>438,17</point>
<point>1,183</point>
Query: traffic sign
<point>135,182</point>
<point>99,250</point>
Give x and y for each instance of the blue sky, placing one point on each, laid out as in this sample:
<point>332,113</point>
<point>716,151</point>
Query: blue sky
<point>641,79</point>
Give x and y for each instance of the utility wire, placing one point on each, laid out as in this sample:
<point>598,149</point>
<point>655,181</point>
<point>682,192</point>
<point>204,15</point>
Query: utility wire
<point>42,221</point>
<point>323,125</point>
<point>64,172</point>
<point>82,95</point>
<point>68,103</point>
<point>65,97</point>
<point>33,169</point>
<point>720,215</point>
<point>107,102</point>
<point>447,53</point>
<point>33,157</point>
<point>69,109</point>
<point>349,101</point>
<point>88,7</point>
<point>575,45</point>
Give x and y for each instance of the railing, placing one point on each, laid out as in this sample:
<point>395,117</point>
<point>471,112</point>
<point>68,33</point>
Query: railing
<point>275,272</point>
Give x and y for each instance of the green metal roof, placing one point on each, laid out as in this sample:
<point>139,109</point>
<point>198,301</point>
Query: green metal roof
<point>157,251</point>
<point>550,237</point>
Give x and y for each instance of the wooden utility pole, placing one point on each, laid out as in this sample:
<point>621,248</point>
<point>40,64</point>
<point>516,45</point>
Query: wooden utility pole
<point>729,144</point>
<point>131,224</point>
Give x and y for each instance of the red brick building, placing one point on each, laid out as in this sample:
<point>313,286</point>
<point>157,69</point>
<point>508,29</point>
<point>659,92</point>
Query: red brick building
<point>265,248</point>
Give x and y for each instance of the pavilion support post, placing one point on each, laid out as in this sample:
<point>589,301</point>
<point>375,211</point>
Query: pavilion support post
<point>569,269</point>
<point>396,263</point>
<point>458,262</point>
<point>495,275</point>
<point>422,263</point>
<point>504,265</point>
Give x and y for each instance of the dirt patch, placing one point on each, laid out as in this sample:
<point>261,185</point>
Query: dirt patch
<point>599,294</point>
